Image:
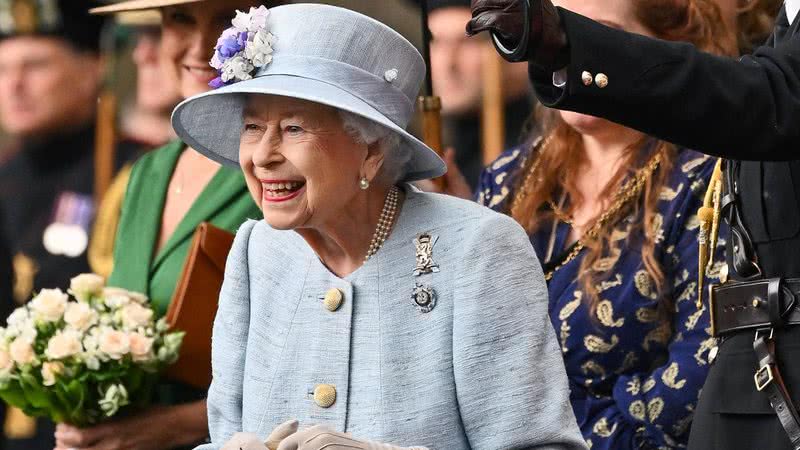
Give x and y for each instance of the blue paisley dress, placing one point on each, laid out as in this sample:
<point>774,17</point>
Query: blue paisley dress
<point>634,377</point>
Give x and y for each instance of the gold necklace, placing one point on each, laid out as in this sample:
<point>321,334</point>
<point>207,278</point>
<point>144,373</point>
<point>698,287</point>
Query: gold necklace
<point>385,222</point>
<point>629,191</point>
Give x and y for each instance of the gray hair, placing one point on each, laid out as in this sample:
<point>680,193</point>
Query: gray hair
<point>365,131</point>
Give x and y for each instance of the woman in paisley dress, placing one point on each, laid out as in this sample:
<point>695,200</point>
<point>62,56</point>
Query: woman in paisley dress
<point>612,214</point>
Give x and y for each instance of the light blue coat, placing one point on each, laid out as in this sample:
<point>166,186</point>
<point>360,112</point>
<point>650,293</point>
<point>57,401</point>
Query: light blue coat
<point>482,370</point>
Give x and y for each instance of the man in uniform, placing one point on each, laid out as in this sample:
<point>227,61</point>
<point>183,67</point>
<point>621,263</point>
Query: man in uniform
<point>747,110</point>
<point>50,76</point>
<point>457,70</point>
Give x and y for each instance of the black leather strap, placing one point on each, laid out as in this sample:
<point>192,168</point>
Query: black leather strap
<point>762,303</point>
<point>768,379</point>
<point>741,251</point>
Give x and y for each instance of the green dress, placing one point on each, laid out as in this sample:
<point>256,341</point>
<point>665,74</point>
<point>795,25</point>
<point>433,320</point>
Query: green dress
<point>225,202</point>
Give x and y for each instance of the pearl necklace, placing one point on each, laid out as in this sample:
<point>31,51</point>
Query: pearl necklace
<point>384,223</point>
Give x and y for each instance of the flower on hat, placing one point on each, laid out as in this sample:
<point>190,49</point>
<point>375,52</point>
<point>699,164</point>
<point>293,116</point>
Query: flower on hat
<point>243,48</point>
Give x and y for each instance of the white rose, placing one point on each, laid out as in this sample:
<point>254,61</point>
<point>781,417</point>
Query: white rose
<point>17,318</point>
<point>86,285</point>
<point>116,297</point>
<point>80,316</point>
<point>141,347</point>
<point>138,297</point>
<point>6,363</point>
<point>115,344</point>
<point>21,351</point>
<point>50,304</point>
<point>49,372</point>
<point>28,332</point>
<point>135,315</point>
<point>63,345</point>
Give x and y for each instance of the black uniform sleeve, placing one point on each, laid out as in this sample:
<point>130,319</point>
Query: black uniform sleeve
<point>745,109</point>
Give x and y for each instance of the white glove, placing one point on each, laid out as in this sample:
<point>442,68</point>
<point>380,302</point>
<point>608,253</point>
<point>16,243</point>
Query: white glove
<point>323,438</point>
<point>249,441</point>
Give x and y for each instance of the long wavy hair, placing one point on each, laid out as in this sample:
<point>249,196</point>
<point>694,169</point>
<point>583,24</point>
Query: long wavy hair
<point>558,162</point>
<point>755,21</point>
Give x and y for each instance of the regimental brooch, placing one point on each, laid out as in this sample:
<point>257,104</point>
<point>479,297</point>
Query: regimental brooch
<point>424,244</point>
<point>424,297</point>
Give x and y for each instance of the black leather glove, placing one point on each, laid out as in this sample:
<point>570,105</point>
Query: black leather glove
<point>522,30</point>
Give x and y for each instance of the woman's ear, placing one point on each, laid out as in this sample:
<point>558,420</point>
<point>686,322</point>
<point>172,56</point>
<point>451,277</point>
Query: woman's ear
<point>374,161</point>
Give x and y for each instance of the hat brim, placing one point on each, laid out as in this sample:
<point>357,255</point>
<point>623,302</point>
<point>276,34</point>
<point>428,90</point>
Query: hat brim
<point>211,123</point>
<point>138,5</point>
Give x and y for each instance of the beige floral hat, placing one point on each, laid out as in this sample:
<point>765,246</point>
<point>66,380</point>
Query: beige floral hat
<point>138,5</point>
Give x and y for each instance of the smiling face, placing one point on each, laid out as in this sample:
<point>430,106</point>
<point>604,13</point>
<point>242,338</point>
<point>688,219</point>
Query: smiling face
<point>302,168</point>
<point>189,34</point>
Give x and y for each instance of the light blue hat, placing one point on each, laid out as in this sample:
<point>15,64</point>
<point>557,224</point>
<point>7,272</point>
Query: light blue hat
<point>321,53</point>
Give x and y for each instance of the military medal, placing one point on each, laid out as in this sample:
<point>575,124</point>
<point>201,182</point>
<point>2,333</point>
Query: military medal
<point>424,245</point>
<point>68,234</point>
<point>424,297</point>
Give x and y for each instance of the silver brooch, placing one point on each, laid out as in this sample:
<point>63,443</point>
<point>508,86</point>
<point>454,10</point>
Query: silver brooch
<point>424,297</point>
<point>424,245</point>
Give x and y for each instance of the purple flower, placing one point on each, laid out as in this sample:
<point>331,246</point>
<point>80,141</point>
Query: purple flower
<point>216,83</point>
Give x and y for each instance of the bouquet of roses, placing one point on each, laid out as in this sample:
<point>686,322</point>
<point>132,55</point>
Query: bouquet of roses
<point>82,357</point>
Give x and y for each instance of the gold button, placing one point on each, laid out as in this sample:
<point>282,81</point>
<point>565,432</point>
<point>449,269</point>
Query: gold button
<point>333,299</point>
<point>586,77</point>
<point>325,395</point>
<point>601,80</point>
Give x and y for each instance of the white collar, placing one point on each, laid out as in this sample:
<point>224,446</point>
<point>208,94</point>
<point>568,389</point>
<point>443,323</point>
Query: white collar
<point>792,7</point>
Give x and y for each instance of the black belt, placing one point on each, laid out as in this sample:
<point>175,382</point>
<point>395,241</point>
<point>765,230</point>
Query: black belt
<point>750,305</point>
<point>763,305</point>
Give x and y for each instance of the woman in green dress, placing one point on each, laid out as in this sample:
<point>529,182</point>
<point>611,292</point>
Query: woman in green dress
<point>170,192</point>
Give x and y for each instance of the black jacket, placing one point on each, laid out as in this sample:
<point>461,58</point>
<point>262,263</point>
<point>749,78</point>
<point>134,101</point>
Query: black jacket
<point>747,109</point>
<point>6,280</point>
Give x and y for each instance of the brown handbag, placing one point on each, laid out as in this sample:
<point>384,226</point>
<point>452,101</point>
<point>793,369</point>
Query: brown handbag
<point>194,304</point>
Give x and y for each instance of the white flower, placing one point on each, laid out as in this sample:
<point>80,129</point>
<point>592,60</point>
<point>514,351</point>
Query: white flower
<point>63,345</point>
<point>215,62</point>
<point>255,20</point>
<point>49,372</point>
<point>258,18</point>
<point>114,344</point>
<point>115,397</point>
<point>135,315</point>
<point>241,21</point>
<point>17,318</point>
<point>91,347</point>
<point>259,49</point>
<point>21,351</point>
<point>6,363</point>
<point>138,297</point>
<point>28,332</point>
<point>116,297</point>
<point>236,68</point>
<point>80,316</point>
<point>141,347</point>
<point>86,285</point>
<point>49,305</point>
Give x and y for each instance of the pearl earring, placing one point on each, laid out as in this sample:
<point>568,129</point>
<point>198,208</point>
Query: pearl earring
<point>363,183</point>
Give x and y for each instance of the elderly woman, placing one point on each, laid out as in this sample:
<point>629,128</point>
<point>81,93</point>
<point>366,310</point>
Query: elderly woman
<point>360,304</point>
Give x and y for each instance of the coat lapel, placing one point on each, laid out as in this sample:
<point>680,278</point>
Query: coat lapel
<point>223,188</point>
<point>148,198</point>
